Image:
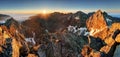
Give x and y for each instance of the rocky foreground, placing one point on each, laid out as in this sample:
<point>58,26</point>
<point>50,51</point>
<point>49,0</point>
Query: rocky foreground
<point>94,34</point>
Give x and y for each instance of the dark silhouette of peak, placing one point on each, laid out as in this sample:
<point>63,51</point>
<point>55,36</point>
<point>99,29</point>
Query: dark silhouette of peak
<point>90,14</point>
<point>113,19</point>
<point>10,22</point>
<point>3,15</point>
<point>80,12</point>
<point>105,13</point>
<point>56,13</point>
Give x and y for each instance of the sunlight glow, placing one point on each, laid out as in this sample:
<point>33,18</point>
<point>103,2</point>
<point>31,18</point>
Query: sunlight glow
<point>44,12</point>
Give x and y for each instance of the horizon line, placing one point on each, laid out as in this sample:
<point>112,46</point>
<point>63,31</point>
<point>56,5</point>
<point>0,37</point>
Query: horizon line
<point>52,11</point>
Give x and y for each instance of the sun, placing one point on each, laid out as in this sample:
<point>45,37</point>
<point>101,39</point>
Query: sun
<point>44,12</point>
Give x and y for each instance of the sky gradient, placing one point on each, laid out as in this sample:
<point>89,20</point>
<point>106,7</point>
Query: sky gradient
<point>38,6</point>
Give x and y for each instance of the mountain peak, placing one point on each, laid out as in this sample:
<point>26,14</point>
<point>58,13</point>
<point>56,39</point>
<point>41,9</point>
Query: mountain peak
<point>96,22</point>
<point>99,11</point>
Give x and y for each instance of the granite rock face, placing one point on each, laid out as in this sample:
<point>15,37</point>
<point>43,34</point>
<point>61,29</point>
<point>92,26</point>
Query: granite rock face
<point>96,23</point>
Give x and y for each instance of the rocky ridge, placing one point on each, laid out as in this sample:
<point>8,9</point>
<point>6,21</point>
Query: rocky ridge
<point>54,38</point>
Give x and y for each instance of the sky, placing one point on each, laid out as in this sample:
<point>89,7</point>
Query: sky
<point>48,6</point>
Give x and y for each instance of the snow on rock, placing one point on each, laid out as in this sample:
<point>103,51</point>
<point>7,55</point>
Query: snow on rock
<point>79,31</point>
<point>86,33</point>
<point>108,20</point>
<point>31,40</point>
<point>72,28</point>
<point>77,18</point>
<point>2,21</point>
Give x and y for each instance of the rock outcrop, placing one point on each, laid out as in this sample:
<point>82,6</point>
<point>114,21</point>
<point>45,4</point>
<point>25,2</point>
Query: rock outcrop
<point>98,28</point>
<point>10,43</point>
<point>96,23</point>
<point>13,42</point>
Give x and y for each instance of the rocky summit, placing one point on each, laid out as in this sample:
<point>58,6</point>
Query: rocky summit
<point>96,23</point>
<point>96,34</point>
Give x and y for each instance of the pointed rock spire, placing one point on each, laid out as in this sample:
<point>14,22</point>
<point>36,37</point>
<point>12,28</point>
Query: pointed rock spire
<point>96,22</point>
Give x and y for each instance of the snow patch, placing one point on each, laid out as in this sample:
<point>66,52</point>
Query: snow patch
<point>108,20</point>
<point>31,40</point>
<point>77,18</point>
<point>2,21</point>
<point>81,30</point>
<point>78,31</point>
<point>72,28</point>
<point>86,33</point>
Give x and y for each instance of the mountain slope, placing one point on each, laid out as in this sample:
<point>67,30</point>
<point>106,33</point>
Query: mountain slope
<point>61,35</point>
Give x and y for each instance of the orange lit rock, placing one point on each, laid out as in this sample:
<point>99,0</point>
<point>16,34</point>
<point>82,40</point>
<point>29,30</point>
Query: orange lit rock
<point>1,50</point>
<point>102,34</point>
<point>117,39</point>
<point>109,41</point>
<point>105,49</point>
<point>89,52</point>
<point>114,27</point>
<point>96,21</point>
<point>15,47</point>
<point>97,25</point>
<point>17,42</point>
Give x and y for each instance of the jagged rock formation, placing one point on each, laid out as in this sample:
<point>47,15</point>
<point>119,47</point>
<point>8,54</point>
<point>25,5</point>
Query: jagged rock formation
<point>96,23</point>
<point>11,43</point>
<point>99,28</point>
